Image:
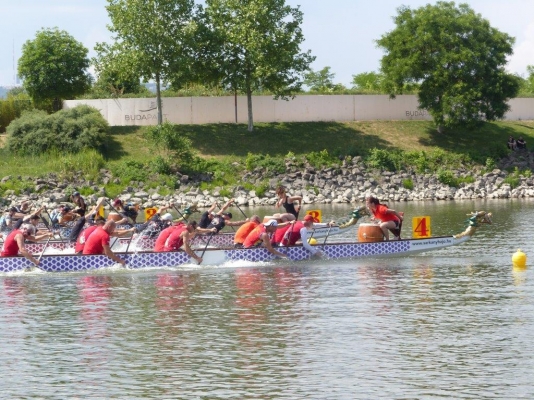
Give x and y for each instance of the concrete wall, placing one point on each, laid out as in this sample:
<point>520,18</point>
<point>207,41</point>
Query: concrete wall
<point>204,110</point>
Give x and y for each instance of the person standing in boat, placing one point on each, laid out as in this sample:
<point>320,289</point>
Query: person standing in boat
<point>98,242</point>
<point>390,220</point>
<point>14,242</point>
<point>288,202</point>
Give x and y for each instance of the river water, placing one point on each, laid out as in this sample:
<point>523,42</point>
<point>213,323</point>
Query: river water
<point>454,323</point>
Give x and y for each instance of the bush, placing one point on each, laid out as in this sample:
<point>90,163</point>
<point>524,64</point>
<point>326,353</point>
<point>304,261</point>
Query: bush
<point>383,159</point>
<point>67,131</point>
<point>271,164</point>
<point>171,144</point>
<point>319,159</point>
<point>407,184</point>
<point>12,108</point>
<point>447,178</point>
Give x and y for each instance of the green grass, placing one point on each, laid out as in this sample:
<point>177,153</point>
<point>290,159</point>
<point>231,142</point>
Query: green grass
<point>354,138</point>
<point>233,143</point>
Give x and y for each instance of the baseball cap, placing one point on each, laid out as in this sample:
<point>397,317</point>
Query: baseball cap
<point>227,214</point>
<point>309,218</point>
<point>116,202</point>
<point>166,217</point>
<point>76,193</point>
<point>271,222</point>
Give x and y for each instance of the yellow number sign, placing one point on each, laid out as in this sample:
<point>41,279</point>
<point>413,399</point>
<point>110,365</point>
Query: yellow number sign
<point>421,227</point>
<point>149,212</point>
<point>101,211</point>
<point>316,214</point>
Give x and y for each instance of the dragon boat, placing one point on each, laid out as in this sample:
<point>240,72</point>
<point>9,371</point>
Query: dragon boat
<point>217,256</point>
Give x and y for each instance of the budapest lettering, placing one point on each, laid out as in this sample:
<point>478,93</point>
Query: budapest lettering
<point>417,113</point>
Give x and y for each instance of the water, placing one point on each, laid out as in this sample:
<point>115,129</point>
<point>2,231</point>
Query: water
<point>455,323</point>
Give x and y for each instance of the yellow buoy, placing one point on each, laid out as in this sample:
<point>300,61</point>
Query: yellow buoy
<point>312,241</point>
<point>519,259</point>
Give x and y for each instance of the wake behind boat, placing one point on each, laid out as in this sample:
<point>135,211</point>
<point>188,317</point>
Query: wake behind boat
<point>216,256</point>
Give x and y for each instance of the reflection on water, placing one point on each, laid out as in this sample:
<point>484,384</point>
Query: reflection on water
<point>454,323</point>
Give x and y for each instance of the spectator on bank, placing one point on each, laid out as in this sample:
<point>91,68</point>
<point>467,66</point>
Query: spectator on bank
<point>511,144</point>
<point>520,143</point>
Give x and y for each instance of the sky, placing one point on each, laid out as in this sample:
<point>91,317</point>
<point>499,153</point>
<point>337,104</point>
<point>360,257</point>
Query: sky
<point>340,33</point>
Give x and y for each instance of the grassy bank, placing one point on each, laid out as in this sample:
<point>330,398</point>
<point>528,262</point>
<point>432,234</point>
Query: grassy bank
<point>230,144</point>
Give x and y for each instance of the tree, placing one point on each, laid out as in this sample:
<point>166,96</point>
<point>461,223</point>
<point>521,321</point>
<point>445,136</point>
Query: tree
<point>54,66</point>
<point>368,81</point>
<point>457,58</point>
<point>258,47</point>
<point>153,40</point>
<point>320,81</point>
<point>527,85</point>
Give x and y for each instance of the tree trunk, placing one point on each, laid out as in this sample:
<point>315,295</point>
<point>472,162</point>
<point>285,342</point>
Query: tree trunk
<point>158,99</point>
<point>249,106</point>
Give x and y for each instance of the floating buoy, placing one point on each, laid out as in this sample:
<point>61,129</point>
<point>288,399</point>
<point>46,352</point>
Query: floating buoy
<point>312,241</point>
<point>519,259</point>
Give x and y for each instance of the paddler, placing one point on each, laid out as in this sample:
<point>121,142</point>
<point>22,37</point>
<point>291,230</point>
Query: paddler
<point>98,242</point>
<point>261,236</point>
<point>14,242</point>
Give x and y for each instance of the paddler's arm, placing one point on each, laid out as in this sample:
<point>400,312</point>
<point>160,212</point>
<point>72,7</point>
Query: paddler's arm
<point>108,252</point>
<point>187,247</point>
<point>20,241</point>
<point>269,246</point>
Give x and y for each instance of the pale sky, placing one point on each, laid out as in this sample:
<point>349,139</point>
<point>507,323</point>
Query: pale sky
<point>340,33</point>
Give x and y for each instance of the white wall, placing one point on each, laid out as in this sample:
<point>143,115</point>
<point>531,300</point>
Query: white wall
<point>204,110</point>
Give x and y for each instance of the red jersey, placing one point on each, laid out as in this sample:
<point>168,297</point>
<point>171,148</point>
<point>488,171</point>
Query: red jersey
<point>163,236</point>
<point>175,240</point>
<point>293,235</point>
<point>381,214</point>
<point>80,242</point>
<point>253,237</point>
<point>11,247</point>
<point>96,242</point>
<point>244,230</point>
<point>279,235</point>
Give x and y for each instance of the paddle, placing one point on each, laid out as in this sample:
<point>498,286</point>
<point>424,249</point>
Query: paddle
<point>207,243</point>
<point>239,208</point>
<point>42,253</point>
<point>327,233</point>
<point>181,215</point>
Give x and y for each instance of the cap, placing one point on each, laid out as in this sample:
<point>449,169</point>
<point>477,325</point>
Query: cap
<point>66,209</point>
<point>166,217</point>
<point>227,214</point>
<point>309,218</point>
<point>76,193</point>
<point>117,202</point>
<point>271,222</point>
<point>13,209</point>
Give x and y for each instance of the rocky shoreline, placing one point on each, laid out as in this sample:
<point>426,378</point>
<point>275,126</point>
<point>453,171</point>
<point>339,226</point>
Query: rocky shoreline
<point>350,182</point>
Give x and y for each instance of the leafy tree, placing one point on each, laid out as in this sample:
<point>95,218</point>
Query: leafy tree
<point>153,40</point>
<point>368,81</point>
<point>320,81</point>
<point>114,84</point>
<point>258,47</point>
<point>54,66</point>
<point>457,58</point>
<point>171,145</point>
<point>527,85</point>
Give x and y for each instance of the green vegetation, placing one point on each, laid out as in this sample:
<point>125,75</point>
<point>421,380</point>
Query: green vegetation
<point>67,131</point>
<point>457,59</point>
<point>224,152</point>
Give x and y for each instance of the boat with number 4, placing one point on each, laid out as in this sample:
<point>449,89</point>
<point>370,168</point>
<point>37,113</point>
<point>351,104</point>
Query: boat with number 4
<point>216,256</point>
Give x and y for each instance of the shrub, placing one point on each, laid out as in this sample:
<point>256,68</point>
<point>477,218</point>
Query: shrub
<point>271,164</point>
<point>67,131</point>
<point>12,108</point>
<point>382,159</point>
<point>171,143</point>
<point>319,159</point>
<point>407,184</point>
<point>447,178</point>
